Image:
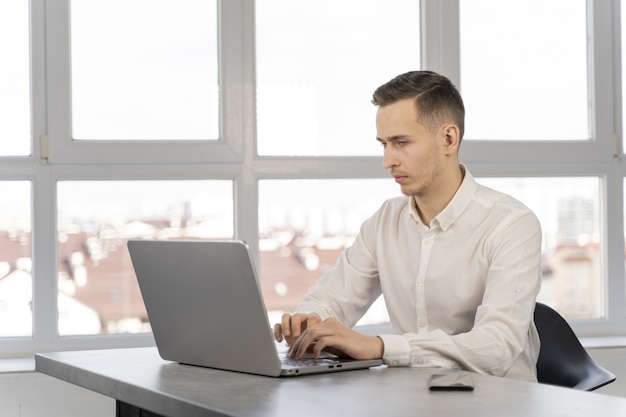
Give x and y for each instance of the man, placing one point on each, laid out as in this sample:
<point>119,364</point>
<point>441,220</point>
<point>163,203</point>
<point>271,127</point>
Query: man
<point>458,264</point>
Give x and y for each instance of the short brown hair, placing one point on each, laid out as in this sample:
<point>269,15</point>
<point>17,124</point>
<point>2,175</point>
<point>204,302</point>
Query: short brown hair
<point>436,99</point>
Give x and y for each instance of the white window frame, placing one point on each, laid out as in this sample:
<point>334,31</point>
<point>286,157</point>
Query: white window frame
<point>56,157</point>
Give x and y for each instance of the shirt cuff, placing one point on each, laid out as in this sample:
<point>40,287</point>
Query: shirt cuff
<point>396,350</point>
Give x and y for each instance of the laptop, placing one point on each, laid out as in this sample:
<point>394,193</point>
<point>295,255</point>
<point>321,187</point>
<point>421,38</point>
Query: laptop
<point>205,307</point>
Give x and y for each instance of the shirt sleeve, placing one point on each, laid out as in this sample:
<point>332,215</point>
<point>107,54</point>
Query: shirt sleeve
<point>503,324</point>
<point>346,291</point>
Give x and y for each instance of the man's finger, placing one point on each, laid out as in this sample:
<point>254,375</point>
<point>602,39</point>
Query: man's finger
<point>320,344</point>
<point>278,332</point>
<point>286,324</point>
<point>308,340</point>
<point>312,320</point>
<point>300,346</point>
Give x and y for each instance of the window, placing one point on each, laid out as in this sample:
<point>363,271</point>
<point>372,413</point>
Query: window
<point>155,80</point>
<point>240,118</point>
<point>304,225</point>
<point>316,75</point>
<point>98,291</point>
<point>15,123</point>
<point>511,53</point>
<point>15,259</point>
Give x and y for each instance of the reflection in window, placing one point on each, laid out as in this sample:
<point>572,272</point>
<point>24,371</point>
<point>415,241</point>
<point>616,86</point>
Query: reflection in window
<point>569,211</point>
<point>98,291</point>
<point>318,65</point>
<point>304,225</point>
<point>14,79</point>
<point>156,80</point>
<point>16,280</point>
<point>522,79</point>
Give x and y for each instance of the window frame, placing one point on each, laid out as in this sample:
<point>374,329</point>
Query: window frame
<point>232,84</point>
<point>441,53</point>
<point>56,157</point>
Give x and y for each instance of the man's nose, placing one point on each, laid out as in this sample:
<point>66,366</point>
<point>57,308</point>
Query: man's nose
<point>389,159</point>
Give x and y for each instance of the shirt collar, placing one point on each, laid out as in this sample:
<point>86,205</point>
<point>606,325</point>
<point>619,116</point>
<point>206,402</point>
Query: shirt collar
<point>455,207</point>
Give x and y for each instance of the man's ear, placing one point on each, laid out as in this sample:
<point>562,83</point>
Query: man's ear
<point>451,137</point>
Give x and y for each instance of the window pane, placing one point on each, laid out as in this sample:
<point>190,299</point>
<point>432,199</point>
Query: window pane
<point>144,69</point>
<point>573,257</point>
<point>98,291</point>
<point>14,79</point>
<point>317,72</point>
<point>512,69</point>
<point>304,225</point>
<point>16,283</point>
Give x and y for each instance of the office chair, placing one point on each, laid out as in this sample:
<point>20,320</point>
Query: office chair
<point>563,360</point>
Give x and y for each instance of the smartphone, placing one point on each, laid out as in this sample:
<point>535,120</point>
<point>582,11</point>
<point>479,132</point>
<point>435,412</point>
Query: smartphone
<point>451,382</point>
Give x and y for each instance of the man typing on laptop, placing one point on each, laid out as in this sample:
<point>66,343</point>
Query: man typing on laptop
<point>458,264</point>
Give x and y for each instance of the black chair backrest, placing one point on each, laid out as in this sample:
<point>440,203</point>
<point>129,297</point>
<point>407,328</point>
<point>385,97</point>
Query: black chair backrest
<point>562,359</point>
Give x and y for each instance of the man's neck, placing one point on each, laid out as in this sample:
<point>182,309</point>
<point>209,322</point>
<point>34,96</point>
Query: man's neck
<point>431,204</point>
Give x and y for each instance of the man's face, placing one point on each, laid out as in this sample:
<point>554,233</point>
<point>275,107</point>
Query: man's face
<point>412,153</point>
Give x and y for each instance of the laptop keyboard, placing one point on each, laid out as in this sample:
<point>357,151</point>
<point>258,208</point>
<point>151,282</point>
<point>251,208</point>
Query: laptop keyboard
<point>309,362</point>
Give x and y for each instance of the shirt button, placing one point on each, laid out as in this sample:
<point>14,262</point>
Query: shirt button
<point>428,241</point>
<point>422,324</point>
<point>420,283</point>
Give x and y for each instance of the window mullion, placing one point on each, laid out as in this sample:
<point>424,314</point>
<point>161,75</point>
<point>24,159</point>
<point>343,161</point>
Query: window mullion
<point>43,233</point>
<point>613,223</point>
<point>45,326</point>
<point>602,70</point>
<point>440,38</point>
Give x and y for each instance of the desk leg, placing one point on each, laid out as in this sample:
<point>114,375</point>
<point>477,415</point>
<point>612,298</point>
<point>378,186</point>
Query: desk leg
<point>123,409</point>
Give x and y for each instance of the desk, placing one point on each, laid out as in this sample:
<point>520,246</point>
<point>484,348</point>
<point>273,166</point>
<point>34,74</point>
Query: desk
<point>143,384</point>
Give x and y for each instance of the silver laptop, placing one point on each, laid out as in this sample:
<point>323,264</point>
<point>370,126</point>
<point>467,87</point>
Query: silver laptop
<point>205,307</point>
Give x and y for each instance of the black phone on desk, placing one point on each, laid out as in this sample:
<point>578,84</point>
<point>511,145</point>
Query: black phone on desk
<point>451,382</point>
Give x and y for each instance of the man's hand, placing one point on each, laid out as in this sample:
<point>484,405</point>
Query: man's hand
<point>332,336</point>
<point>292,326</point>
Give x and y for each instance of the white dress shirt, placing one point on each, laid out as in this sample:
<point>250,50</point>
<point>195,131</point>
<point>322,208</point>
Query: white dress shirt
<point>460,293</point>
